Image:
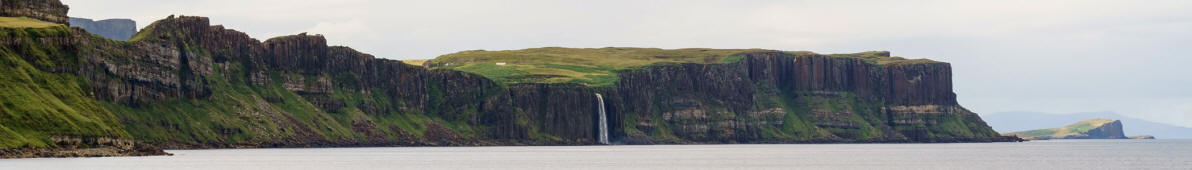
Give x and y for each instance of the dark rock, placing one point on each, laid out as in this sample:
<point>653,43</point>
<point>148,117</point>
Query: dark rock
<point>1112,130</point>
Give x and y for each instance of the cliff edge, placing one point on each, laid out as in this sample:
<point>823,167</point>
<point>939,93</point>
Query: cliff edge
<point>182,83</point>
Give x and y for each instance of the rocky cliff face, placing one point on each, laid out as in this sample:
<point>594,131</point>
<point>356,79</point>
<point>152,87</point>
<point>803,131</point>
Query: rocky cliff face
<point>771,96</point>
<point>45,10</point>
<point>183,83</point>
<point>116,29</point>
<point>1111,130</point>
<point>183,58</point>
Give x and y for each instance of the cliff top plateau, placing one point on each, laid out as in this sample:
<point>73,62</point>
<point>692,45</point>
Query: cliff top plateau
<point>599,66</point>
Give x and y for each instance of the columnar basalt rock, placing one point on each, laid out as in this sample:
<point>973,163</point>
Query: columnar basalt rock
<point>850,98</point>
<point>165,65</point>
<point>565,112</point>
<point>297,53</point>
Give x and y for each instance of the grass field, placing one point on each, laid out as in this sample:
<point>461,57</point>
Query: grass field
<point>24,22</point>
<point>599,66</point>
<point>589,66</point>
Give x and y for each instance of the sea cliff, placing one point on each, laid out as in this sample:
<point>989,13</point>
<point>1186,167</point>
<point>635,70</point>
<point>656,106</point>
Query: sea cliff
<point>182,83</point>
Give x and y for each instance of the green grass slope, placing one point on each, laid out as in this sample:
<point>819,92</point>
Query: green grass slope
<point>25,22</point>
<point>240,113</point>
<point>35,105</point>
<point>598,67</point>
<point>1076,129</point>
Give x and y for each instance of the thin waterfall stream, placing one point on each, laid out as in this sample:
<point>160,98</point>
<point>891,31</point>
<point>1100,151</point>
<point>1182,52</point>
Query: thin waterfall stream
<point>603,120</point>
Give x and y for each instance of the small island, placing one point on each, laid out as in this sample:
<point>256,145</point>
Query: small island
<point>1088,129</point>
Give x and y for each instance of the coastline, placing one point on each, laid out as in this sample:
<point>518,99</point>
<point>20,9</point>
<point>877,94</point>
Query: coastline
<point>147,149</point>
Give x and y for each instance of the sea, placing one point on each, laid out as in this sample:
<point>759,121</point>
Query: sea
<point>1049,154</point>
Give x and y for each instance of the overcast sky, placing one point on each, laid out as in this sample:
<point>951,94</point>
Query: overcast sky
<point>1132,57</point>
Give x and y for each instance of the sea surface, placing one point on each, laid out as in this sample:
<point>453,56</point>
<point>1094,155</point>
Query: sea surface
<point>1053,154</point>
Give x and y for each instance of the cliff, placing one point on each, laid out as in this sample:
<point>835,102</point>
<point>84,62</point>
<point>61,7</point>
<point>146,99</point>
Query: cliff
<point>1088,129</point>
<point>782,97</point>
<point>45,10</point>
<point>747,95</point>
<point>116,29</point>
<point>183,83</point>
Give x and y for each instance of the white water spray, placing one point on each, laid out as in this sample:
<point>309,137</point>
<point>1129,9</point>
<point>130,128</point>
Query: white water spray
<point>603,120</point>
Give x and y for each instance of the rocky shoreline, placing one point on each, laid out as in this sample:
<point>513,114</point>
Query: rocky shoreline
<point>71,146</point>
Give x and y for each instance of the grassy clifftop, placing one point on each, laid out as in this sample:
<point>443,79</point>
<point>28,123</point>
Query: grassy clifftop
<point>24,22</point>
<point>589,66</point>
<point>599,66</point>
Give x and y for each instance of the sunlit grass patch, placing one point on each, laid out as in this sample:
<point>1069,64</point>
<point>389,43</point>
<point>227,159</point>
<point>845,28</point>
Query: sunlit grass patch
<point>25,22</point>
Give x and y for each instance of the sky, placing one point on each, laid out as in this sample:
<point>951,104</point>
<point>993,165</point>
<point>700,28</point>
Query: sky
<point>1131,57</point>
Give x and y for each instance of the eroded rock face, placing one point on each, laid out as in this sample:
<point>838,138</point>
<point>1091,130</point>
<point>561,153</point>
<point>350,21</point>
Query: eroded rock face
<point>1112,130</point>
<point>767,97</point>
<point>846,99</point>
<point>182,54</point>
<point>45,10</point>
<point>151,70</point>
<point>116,29</point>
<point>297,53</point>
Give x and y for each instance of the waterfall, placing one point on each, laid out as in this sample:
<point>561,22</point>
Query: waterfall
<point>603,120</point>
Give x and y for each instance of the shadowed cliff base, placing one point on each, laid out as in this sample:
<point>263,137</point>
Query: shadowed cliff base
<point>182,83</point>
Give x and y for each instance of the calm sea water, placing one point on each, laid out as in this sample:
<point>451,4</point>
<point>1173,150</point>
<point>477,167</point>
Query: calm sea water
<point>1055,154</point>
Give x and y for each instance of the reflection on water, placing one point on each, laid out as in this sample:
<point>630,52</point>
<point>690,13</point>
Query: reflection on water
<point>1056,154</point>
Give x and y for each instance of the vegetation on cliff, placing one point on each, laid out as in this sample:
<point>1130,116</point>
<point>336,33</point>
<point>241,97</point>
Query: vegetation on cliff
<point>183,83</point>
<point>39,104</point>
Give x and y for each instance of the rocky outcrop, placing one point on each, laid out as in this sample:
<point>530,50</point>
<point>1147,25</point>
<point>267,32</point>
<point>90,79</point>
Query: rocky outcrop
<point>45,10</point>
<point>74,146</point>
<point>297,53</point>
<point>152,70</point>
<point>1111,130</point>
<point>116,29</point>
